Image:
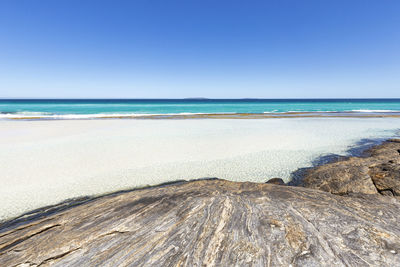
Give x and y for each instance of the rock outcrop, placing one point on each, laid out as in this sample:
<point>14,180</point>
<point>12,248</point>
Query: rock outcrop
<point>378,172</point>
<point>221,223</point>
<point>210,223</point>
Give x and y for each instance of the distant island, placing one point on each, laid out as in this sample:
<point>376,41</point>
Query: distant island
<point>196,98</point>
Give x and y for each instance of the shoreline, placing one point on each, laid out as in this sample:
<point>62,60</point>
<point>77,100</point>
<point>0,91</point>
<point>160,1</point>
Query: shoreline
<point>265,115</point>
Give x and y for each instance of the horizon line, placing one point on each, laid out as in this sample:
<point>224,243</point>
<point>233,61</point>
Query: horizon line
<point>199,98</point>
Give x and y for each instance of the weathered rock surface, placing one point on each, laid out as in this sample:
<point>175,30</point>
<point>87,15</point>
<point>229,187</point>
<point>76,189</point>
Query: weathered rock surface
<point>221,223</point>
<point>209,223</point>
<point>377,173</point>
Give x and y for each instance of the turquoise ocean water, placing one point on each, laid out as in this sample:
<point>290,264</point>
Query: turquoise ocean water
<point>67,108</point>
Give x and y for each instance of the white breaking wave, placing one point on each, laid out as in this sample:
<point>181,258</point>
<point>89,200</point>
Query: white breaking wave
<point>43,115</point>
<point>375,110</point>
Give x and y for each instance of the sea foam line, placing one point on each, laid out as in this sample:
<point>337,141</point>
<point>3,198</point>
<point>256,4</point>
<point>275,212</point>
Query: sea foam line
<point>275,113</point>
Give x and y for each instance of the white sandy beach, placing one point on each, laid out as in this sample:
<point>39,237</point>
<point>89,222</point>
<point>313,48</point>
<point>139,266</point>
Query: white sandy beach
<point>45,162</point>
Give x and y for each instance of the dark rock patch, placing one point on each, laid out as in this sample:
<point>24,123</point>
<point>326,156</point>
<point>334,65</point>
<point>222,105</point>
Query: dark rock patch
<point>277,181</point>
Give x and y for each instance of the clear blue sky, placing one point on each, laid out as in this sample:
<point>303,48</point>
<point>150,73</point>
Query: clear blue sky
<point>199,48</point>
